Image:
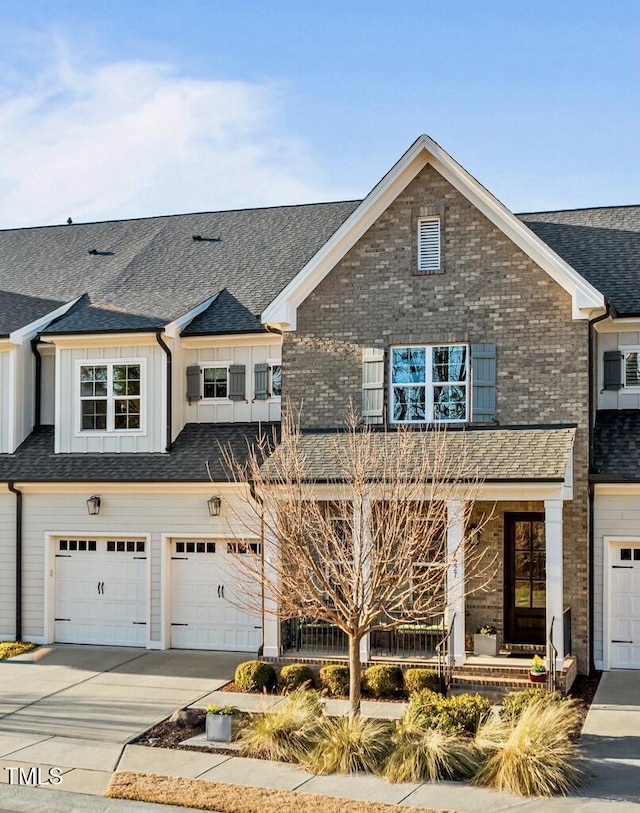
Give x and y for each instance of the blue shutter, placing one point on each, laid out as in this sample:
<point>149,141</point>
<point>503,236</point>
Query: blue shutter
<point>237,386</point>
<point>483,380</point>
<point>194,392</point>
<point>261,389</point>
<point>612,379</point>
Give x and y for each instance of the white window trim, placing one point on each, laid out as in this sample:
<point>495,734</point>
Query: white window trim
<point>428,384</point>
<point>438,265</point>
<point>625,350</point>
<point>214,365</point>
<point>273,363</point>
<point>110,433</point>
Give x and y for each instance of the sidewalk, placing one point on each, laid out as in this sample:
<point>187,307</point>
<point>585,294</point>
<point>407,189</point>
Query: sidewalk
<point>611,741</point>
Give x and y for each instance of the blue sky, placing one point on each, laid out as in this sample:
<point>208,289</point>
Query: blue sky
<point>126,109</point>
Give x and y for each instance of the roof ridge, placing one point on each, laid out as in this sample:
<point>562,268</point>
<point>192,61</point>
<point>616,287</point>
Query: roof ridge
<point>580,209</point>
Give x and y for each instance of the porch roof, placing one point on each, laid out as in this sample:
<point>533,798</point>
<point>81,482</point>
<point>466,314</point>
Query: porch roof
<point>490,454</point>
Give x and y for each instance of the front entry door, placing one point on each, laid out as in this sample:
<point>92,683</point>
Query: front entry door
<point>525,579</point>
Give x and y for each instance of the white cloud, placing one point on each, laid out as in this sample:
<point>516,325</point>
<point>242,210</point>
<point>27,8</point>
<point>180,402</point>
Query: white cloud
<point>132,139</point>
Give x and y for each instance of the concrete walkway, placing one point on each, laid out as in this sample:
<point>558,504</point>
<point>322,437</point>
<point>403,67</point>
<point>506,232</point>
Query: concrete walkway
<point>611,742</point>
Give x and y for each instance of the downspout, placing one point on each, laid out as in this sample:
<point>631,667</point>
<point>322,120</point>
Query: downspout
<point>166,349</point>
<point>593,395</point>
<point>18,494</point>
<point>38,383</point>
<point>254,495</point>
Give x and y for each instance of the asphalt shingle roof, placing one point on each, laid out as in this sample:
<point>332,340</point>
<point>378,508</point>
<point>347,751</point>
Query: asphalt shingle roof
<point>152,269</point>
<point>603,245</point>
<point>18,310</point>
<point>224,315</point>
<point>198,443</point>
<point>492,454</point>
<point>616,445</point>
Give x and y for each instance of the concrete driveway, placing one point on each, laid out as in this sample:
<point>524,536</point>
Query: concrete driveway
<point>74,707</point>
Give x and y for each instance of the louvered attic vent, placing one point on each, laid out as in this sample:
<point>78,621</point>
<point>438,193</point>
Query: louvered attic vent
<point>429,244</point>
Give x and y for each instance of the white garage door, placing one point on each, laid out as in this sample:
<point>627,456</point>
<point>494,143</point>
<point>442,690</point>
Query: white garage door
<point>210,608</point>
<point>101,592</point>
<point>625,607</point>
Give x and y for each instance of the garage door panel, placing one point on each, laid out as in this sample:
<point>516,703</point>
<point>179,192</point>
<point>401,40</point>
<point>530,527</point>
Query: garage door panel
<point>101,592</point>
<point>624,591</point>
<point>207,610</point>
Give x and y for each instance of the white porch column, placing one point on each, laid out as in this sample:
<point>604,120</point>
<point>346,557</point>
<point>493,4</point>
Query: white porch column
<point>271,619</point>
<point>555,589</point>
<point>362,548</point>
<point>455,577</point>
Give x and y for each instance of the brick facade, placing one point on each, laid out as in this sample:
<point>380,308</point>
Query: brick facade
<point>490,291</point>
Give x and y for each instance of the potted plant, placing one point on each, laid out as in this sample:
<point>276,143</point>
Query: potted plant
<point>485,641</point>
<point>538,670</point>
<point>219,722</point>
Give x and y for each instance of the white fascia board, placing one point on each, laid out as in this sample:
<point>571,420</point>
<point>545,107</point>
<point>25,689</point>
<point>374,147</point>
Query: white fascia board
<point>282,310</point>
<point>176,327</point>
<point>620,324</point>
<point>29,331</point>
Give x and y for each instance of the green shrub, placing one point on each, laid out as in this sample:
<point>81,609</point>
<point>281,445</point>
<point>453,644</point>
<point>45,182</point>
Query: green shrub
<point>334,680</point>
<point>462,712</point>
<point>514,704</point>
<point>295,675</point>
<point>286,733</point>
<point>416,679</point>
<point>254,676</point>
<point>534,755</point>
<point>420,753</point>
<point>348,745</point>
<point>382,680</point>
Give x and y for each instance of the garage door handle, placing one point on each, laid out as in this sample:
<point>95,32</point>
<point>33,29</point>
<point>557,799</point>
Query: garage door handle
<point>222,590</point>
<point>140,623</point>
<point>173,624</point>
<point>62,619</point>
<point>621,642</point>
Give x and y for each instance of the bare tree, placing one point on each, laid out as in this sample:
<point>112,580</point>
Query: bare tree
<point>355,527</point>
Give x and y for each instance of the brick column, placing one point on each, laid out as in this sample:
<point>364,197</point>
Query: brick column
<point>555,589</point>
<point>455,577</point>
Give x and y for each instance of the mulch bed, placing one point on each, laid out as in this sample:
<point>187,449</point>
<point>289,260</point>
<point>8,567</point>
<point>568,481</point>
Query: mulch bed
<point>584,689</point>
<point>203,795</point>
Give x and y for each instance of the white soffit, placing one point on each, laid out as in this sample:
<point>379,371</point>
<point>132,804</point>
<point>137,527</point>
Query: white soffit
<point>282,311</point>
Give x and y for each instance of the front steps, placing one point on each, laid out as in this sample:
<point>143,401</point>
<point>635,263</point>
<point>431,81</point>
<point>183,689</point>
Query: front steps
<point>502,675</point>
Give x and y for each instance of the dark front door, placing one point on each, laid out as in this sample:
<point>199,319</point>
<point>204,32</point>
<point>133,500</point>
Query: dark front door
<point>524,579</point>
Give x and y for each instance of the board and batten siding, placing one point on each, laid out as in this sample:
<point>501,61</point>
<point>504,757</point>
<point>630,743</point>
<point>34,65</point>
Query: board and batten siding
<point>68,435</point>
<point>226,410</point>
<point>616,516</point>
<point>48,387</point>
<point>136,512</point>
<point>616,399</point>
<point>7,565</point>
<point>7,395</point>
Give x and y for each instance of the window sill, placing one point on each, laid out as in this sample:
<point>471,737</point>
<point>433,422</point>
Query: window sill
<point>417,273</point>
<point>110,433</point>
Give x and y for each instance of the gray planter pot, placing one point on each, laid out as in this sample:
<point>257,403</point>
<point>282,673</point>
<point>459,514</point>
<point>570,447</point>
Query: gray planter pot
<point>485,645</point>
<point>219,728</point>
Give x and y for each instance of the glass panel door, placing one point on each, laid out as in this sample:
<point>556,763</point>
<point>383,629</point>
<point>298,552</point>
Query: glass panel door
<point>525,579</point>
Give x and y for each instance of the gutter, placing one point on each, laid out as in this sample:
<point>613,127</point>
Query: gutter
<point>18,494</point>
<point>592,409</point>
<point>167,351</point>
<point>38,383</point>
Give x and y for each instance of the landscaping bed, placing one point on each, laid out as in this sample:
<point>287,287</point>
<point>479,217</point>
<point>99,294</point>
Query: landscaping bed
<point>9,649</point>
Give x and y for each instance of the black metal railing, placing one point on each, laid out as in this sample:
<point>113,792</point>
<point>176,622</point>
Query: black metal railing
<point>312,637</point>
<point>566,623</point>
<point>445,655</point>
<point>409,640</point>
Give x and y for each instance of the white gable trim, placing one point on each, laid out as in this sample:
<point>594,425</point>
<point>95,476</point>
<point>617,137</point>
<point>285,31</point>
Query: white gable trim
<point>282,311</point>
<point>177,326</point>
<point>26,332</point>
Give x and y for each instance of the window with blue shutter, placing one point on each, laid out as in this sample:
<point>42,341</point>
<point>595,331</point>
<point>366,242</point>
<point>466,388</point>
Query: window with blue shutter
<point>261,383</point>
<point>193,383</point>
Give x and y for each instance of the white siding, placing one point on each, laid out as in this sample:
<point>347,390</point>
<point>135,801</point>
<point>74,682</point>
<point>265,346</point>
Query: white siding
<point>7,565</point>
<point>7,396</point>
<point>24,392</point>
<point>132,513</point>
<point>68,437</point>
<point>616,399</point>
<point>614,516</point>
<point>225,411</point>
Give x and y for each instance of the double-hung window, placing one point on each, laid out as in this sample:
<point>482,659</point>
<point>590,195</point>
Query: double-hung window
<point>429,383</point>
<point>215,382</point>
<point>631,360</point>
<point>110,397</point>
